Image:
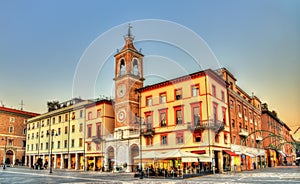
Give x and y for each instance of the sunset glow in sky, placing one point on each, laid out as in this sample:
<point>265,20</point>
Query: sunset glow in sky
<point>41,43</point>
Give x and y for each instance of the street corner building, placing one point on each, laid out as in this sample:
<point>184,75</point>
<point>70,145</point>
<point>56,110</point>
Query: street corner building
<point>13,135</point>
<point>202,122</point>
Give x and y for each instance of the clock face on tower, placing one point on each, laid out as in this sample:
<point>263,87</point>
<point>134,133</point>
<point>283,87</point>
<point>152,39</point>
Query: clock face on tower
<point>121,90</point>
<point>121,115</point>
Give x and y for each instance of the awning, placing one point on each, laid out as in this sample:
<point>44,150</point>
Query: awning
<point>230,153</point>
<point>281,152</point>
<point>190,159</point>
<point>204,158</point>
<point>248,154</point>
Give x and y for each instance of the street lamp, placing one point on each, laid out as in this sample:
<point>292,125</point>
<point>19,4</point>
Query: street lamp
<point>4,155</point>
<point>51,147</point>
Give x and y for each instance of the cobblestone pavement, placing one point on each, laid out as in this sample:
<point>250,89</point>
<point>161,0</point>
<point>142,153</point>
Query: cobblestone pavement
<point>267,175</point>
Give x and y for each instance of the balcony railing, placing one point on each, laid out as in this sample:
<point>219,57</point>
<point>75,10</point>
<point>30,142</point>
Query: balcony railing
<point>243,132</point>
<point>147,130</point>
<point>210,124</point>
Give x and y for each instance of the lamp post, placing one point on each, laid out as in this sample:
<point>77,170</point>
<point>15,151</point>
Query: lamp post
<point>4,154</point>
<point>51,147</point>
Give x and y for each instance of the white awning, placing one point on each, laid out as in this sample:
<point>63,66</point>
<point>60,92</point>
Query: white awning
<point>281,152</point>
<point>248,154</point>
<point>189,159</point>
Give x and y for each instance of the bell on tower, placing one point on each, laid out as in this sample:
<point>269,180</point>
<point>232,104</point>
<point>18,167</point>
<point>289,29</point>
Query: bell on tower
<point>129,59</point>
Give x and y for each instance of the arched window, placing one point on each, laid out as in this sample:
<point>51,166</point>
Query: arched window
<point>122,67</point>
<point>135,67</point>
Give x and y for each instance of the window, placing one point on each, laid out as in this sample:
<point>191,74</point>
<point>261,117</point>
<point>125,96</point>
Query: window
<point>42,124</point>
<point>217,138</point>
<point>89,115</point>
<point>89,147</point>
<point>52,145</point>
<point>163,98</point>
<point>149,101</point>
<point>224,115</point>
<point>214,92</point>
<point>59,119</point>
<point>72,143</point>
<point>37,135</point>
<point>135,67</point>
<point>231,104</point>
<point>37,124</point>
<point>36,146</point>
<point>98,113</point>
<point>149,141</point>
<point>32,136</point>
<point>53,120</point>
<point>234,139</point>
<point>28,136</point>
<point>80,142</point>
<point>98,128</point>
<point>48,122</point>
<point>178,94</point>
<point>59,131</point>
<point>66,117</point>
<point>223,96</point>
<point>32,147</point>
<point>232,123</point>
<point>41,146</point>
<point>81,113</point>
<point>47,146</point>
<point>163,117</point>
<point>225,139</point>
<point>195,90</point>
<point>197,137</point>
<point>80,127</point>
<point>179,138</point>
<point>164,139</point>
<point>148,116</point>
<point>58,144</point>
<point>10,142</point>
<point>12,119</point>
<point>196,116</point>
<point>215,111</point>
<point>89,131</point>
<point>73,128</point>
<point>23,143</point>
<point>11,129</point>
<point>122,67</point>
<point>73,115</point>
<point>66,129</point>
<point>28,147</point>
<point>66,144</point>
<point>178,115</point>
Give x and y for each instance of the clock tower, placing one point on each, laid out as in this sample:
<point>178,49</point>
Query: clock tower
<point>128,78</point>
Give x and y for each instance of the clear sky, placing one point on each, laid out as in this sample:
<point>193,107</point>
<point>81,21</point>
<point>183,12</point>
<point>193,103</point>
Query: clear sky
<point>41,43</point>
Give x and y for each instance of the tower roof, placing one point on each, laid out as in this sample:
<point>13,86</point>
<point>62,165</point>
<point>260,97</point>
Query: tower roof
<point>129,41</point>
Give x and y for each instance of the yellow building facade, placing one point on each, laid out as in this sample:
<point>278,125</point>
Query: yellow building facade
<point>66,136</point>
<point>188,114</point>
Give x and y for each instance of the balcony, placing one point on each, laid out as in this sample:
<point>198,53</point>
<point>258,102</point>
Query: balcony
<point>243,132</point>
<point>197,127</point>
<point>147,130</point>
<point>210,124</point>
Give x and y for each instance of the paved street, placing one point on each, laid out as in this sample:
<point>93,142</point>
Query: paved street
<point>268,175</point>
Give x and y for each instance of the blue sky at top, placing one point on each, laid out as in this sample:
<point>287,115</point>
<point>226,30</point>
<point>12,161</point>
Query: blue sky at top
<point>41,43</point>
